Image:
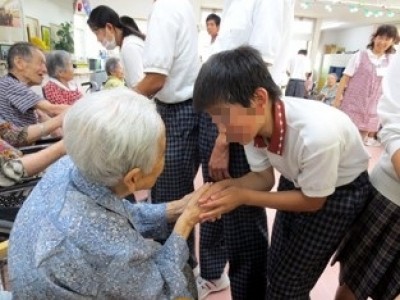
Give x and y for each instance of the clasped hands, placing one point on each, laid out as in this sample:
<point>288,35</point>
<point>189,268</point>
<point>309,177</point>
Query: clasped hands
<point>214,199</point>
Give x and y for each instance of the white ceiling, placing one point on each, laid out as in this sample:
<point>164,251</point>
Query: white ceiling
<point>340,16</point>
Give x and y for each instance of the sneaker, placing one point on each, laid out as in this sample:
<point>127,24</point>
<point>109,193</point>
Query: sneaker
<point>205,287</point>
<point>372,142</point>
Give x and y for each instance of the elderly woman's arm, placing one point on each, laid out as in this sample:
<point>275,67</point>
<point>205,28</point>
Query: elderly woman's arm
<point>39,161</point>
<point>37,131</point>
<point>13,167</point>
<point>22,136</point>
<point>151,219</point>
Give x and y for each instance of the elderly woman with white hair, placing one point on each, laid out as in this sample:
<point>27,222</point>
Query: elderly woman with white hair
<point>61,88</point>
<point>115,73</point>
<point>76,237</point>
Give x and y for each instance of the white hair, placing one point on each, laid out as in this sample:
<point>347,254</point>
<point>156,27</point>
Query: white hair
<point>109,133</point>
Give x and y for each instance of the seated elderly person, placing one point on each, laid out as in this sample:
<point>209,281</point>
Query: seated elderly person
<point>115,72</point>
<point>14,166</point>
<point>328,92</point>
<point>61,88</point>
<point>76,237</point>
<point>26,68</point>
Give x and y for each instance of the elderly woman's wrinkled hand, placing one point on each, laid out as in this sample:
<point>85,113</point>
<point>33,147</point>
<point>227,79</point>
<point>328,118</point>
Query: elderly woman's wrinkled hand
<point>192,210</point>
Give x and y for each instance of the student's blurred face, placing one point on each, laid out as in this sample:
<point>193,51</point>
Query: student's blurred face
<point>240,124</point>
<point>34,68</point>
<point>212,28</point>
<point>382,43</point>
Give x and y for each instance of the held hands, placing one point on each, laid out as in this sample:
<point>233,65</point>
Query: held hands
<point>221,198</point>
<point>192,210</point>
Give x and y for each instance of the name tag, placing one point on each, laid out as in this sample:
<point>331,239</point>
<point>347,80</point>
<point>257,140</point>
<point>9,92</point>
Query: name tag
<point>381,71</point>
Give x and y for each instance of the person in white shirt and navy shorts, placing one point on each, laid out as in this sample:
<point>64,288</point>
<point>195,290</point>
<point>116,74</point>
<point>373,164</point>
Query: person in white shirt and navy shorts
<point>316,148</point>
<point>171,64</point>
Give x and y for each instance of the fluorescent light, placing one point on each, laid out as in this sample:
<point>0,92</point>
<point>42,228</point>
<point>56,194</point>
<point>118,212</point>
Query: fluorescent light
<point>304,5</point>
<point>328,7</point>
<point>368,13</point>
<point>390,14</point>
<point>353,9</point>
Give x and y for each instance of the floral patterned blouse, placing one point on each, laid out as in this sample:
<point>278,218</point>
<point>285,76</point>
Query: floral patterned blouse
<point>11,168</point>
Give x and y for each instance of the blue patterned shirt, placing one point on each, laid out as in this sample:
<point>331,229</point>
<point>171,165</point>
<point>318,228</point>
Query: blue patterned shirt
<point>74,239</point>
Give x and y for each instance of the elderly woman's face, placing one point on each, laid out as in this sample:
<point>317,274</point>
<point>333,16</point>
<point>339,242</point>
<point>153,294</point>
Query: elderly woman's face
<point>331,80</point>
<point>68,73</point>
<point>119,71</point>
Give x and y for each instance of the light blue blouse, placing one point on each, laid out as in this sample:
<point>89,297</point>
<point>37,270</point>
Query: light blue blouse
<point>74,239</point>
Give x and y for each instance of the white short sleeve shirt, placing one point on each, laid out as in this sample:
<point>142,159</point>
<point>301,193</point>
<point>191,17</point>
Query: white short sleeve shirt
<point>354,61</point>
<point>299,66</point>
<point>132,59</point>
<point>321,148</point>
<point>258,23</point>
<point>171,48</point>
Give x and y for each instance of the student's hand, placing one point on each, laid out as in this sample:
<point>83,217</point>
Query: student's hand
<point>222,202</point>
<point>214,189</point>
<point>218,166</point>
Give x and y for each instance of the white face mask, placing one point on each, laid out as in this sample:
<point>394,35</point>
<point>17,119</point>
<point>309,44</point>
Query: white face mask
<point>109,45</point>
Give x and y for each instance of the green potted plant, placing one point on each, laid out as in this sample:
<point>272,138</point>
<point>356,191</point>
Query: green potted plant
<point>65,40</point>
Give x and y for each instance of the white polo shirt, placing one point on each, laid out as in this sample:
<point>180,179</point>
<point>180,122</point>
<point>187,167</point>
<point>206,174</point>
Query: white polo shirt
<point>171,48</point>
<point>132,59</point>
<point>299,66</point>
<point>258,23</point>
<point>318,149</point>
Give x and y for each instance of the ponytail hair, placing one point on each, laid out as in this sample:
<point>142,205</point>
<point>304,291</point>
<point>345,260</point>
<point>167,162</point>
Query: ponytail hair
<point>103,14</point>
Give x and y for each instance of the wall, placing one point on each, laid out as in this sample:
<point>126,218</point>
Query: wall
<point>135,9</point>
<point>49,11</point>
<point>351,38</point>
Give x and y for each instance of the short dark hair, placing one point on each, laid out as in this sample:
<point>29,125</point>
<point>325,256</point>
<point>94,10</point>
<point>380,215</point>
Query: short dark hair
<point>111,65</point>
<point>22,49</point>
<point>385,30</point>
<point>215,18</point>
<point>232,77</point>
<point>103,14</point>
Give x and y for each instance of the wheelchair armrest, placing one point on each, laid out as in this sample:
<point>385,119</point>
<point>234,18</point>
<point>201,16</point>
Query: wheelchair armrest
<point>29,182</point>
